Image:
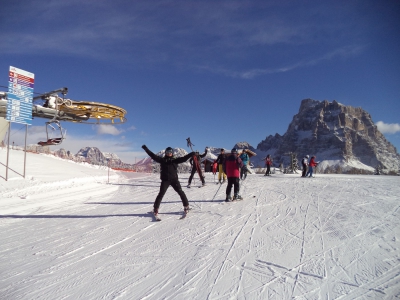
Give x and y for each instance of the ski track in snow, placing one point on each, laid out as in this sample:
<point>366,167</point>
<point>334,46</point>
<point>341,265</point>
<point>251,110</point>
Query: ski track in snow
<point>329,237</point>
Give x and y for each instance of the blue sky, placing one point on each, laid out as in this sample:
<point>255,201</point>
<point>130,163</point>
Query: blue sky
<point>219,72</point>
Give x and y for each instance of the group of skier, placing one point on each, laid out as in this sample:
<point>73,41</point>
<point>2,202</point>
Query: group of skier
<point>231,168</point>
<point>307,170</point>
<point>308,166</point>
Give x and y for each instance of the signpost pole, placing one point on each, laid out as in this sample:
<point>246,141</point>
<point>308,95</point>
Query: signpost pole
<point>19,104</point>
<point>26,136</point>
<point>8,148</point>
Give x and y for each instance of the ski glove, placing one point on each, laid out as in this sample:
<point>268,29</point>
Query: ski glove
<point>144,147</point>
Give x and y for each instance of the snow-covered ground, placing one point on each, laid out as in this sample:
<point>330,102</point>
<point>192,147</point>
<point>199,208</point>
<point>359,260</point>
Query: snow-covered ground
<point>69,231</point>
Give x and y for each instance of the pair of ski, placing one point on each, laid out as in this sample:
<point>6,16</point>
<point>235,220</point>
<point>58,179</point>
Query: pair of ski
<point>158,219</point>
<point>197,186</point>
<point>234,200</point>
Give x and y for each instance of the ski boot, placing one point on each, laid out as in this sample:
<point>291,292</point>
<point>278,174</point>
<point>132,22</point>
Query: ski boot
<point>188,186</point>
<point>237,197</point>
<point>186,210</point>
<point>228,198</point>
<point>155,214</point>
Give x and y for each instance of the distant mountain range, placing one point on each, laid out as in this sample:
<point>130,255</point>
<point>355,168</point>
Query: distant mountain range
<point>93,156</point>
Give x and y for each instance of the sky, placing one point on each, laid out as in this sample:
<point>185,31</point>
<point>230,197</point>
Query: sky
<point>219,72</point>
<point>77,232</point>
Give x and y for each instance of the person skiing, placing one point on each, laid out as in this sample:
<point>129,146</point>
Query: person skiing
<point>245,159</point>
<point>268,163</point>
<point>169,176</point>
<point>220,161</point>
<point>311,166</point>
<point>231,167</point>
<point>194,167</point>
<point>304,163</point>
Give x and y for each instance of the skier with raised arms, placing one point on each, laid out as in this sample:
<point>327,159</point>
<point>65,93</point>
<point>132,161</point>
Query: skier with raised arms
<point>196,166</point>
<point>169,177</point>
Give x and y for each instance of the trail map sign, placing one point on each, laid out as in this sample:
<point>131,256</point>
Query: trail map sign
<point>20,96</point>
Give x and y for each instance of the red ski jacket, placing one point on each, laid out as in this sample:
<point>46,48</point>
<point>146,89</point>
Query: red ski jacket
<point>232,165</point>
<point>214,168</point>
<point>312,162</point>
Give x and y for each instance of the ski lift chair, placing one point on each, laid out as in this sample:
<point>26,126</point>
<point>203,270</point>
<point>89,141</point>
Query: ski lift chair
<point>53,141</point>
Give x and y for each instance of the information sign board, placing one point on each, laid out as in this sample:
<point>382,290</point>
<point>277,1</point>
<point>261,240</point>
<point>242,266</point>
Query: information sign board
<point>20,96</point>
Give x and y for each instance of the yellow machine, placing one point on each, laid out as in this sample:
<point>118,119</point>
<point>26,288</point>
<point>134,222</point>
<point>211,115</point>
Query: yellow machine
<point>51,106</point>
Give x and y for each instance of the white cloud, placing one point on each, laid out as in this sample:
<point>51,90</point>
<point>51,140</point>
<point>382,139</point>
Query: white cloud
<point>388,128</point>
<point>341,52</point>
<point>108,129</point>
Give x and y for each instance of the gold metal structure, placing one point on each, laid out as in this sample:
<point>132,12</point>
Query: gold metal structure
<point>93,112</point>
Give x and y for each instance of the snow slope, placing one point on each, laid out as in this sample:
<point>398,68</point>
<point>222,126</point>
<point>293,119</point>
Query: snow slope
<point>68,231</point>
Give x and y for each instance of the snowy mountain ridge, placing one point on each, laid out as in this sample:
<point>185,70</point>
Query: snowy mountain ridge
<point>92,155</point>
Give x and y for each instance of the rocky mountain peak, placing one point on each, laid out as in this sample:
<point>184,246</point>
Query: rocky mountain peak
<point>333,131</point>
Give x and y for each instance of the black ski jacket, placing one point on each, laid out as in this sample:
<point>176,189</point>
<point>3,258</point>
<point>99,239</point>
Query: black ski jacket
<point>221,159</point>
<point>169,165</point>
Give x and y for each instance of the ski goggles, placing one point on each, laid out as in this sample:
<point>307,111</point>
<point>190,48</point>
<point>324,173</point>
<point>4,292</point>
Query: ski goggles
<point>168,152</point>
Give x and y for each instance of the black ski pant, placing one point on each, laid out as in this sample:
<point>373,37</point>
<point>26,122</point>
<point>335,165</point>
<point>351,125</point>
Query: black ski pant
<point>163,189</point>
<point>236,187</point>
<point>243,172</point>
<point>194,170</point>
<point>268,170</point>
<point>303,173</point>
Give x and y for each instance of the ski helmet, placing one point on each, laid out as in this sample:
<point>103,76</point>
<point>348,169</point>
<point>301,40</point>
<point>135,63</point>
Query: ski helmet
<point>168,150</point>
<point>234,150</point>
<point>307,156</point>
